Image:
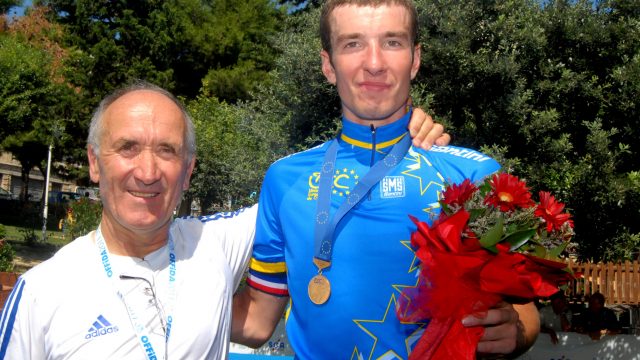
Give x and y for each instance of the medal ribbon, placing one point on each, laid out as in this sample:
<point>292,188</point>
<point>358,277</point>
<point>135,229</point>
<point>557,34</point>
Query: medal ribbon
<point>140,329</point>
<point>325,225</point>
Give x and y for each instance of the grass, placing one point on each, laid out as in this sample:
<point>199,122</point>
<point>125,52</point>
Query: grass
<point>16,235</point>
<point>28,254</point>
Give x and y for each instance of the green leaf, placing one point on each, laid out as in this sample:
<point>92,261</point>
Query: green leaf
<point>493,236</point>
<point>476,213</point>
<point>555,252</point>
<point>540,251</point>
<point>519,238</point>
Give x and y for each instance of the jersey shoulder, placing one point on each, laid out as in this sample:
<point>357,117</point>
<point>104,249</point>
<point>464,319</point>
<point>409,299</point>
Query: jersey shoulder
<point>297,162</point>
<point>458,163</point>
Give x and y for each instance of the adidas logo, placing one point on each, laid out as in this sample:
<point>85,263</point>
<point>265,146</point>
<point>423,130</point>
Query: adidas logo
<point>100,327</point>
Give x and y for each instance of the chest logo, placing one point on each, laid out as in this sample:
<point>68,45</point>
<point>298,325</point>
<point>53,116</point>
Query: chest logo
<point>392,187</point>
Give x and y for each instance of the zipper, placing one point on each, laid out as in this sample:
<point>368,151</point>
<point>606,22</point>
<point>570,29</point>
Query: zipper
<point>373,150</point>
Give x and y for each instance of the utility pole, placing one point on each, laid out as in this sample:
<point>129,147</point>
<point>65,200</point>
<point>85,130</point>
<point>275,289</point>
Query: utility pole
<point>57,131</point>
<point>46,197</point>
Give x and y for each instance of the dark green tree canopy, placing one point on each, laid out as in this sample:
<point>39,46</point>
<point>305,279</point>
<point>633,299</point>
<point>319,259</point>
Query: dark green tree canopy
<point>175,44</point>
<point>5,5</point>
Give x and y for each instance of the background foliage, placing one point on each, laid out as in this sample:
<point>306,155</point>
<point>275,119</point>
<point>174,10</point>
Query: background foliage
<point>549,88</point>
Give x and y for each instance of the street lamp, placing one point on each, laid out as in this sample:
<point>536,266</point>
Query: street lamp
<point>57,131</point>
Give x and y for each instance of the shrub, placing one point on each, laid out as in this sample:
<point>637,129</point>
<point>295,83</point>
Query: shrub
<point>6,251</point>
<point>84,217</point>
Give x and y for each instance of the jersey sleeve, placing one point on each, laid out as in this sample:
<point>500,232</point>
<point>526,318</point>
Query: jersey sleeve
<point>238,228</point>
<point>20,338</point>
<point>267,269</point>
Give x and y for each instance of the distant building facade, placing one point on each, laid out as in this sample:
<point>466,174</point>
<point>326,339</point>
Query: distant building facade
<point>11,179</point>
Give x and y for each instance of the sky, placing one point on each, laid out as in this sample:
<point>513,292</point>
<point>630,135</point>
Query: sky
<point>19,11</point>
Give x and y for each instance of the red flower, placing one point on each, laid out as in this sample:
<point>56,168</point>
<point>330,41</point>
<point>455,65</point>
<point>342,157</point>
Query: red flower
<point>550,211</point>
<point>508,193</point>
<point>459,194</point>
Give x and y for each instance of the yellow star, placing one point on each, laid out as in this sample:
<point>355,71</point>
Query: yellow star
<point>382,325</point>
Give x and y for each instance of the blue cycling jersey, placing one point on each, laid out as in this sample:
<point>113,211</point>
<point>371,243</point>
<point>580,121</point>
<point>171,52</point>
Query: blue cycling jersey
<point>373,260</point>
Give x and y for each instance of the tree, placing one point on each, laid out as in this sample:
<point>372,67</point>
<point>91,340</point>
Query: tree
<point>230,160</point>
<point>5,5</point>
<point>35,97</point>
<point>174,44</point>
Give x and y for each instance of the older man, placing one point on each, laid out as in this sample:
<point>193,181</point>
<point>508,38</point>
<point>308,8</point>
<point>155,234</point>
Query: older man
<point>142,285</point>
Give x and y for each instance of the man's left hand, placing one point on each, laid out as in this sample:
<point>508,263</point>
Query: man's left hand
<point>425,132</point>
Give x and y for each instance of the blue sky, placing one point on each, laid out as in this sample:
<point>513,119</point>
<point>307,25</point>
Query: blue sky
<point>19,11</point>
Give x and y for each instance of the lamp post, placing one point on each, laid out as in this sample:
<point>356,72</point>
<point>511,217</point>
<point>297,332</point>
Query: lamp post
<point>57,131</point>
<point>46,196</point>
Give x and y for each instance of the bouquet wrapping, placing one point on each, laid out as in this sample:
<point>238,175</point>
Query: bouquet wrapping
<point>489,243</point>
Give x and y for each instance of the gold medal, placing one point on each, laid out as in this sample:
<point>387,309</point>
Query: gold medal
<point>319,289</point>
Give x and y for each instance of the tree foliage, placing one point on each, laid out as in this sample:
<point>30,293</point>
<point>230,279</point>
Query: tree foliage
<point>5,5</point>
<point>37,103</point>
<point>231,158</point>
<point>175,44</point>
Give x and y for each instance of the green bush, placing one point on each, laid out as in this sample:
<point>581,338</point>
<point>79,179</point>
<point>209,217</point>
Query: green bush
<point>6,251</point>
<point>85,217</point>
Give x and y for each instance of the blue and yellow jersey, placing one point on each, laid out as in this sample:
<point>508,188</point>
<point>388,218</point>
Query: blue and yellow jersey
<point>373,260</point>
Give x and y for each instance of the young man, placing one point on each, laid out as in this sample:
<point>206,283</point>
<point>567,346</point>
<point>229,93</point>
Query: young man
<point>142,286</point>
<point>333,230</point>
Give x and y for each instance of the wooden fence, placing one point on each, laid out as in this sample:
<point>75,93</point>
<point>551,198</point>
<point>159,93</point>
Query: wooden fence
<point>619,283</point>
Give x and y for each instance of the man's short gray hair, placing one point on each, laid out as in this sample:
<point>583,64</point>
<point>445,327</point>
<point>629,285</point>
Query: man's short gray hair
<point>96,127</point>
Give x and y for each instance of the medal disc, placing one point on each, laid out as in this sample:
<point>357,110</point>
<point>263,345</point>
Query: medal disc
<point>319,289</point>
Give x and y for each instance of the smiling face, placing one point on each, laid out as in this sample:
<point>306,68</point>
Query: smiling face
<point>372,61</point>
<point>142,165</point>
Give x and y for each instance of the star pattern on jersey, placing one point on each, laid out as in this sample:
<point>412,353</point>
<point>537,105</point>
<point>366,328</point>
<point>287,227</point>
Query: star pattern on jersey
<point>388,324</point>
<point>415,263</point>
<point>414,268</point>
<point>420,168</point>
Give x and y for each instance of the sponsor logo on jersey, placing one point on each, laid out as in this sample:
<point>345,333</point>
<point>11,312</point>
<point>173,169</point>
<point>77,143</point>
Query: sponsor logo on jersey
<point>463,153</point>
<point>100,327</point>
<point>392,187</point>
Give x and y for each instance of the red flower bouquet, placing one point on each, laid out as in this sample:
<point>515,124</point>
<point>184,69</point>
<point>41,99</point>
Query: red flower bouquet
<point>488,243</point>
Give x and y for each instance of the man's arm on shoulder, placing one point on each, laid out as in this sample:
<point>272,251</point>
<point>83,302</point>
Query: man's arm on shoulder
<point>255,316</point>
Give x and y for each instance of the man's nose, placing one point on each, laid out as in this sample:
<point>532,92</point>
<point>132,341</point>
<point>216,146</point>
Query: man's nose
<point>374,59</point>
<point>147,169</point>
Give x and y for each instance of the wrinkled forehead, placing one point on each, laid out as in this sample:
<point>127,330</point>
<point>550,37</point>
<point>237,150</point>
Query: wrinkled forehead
<point>144,112</point>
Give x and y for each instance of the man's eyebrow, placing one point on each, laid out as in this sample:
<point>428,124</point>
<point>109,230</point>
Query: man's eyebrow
<point>124,141</point>
<point>387,34</point>
<point>396,34</point>
<point>349,36</point>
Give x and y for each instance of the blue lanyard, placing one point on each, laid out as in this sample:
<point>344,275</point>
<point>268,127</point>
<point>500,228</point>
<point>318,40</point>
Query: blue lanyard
<point>325,225</point>
<point>138,326</point>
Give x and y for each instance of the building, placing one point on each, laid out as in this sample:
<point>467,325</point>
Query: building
<point>11,179</point>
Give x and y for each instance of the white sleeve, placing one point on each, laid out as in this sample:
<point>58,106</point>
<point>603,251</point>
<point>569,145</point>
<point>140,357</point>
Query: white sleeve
<point>236,231</point>
<point>20,337</point>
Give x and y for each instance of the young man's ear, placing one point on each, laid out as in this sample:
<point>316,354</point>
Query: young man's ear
<point>415,66</point>
<point>327,67</point>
